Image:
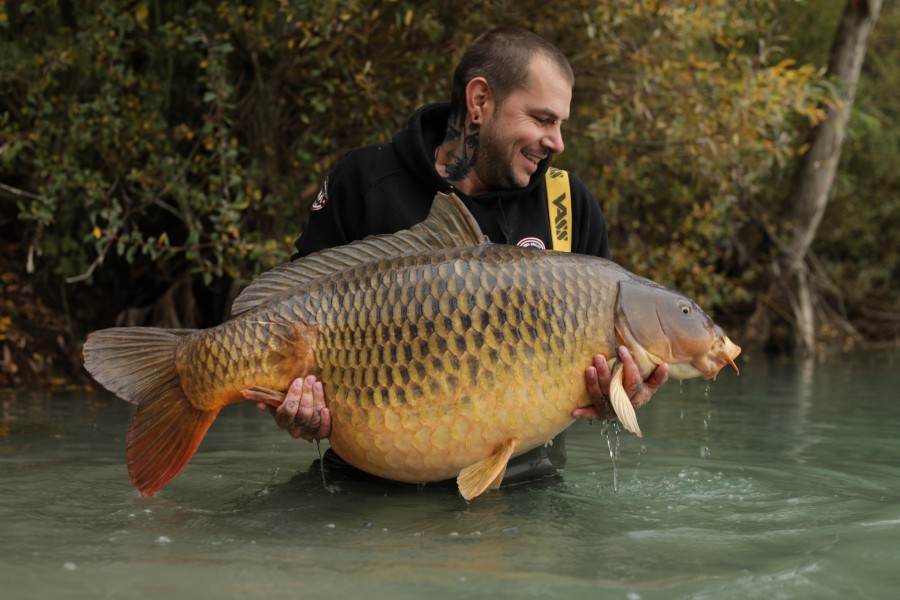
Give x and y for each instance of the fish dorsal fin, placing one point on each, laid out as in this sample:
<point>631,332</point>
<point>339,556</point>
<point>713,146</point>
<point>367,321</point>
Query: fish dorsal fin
<point>449,225</point>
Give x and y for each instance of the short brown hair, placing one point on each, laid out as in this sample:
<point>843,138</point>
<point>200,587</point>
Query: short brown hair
<point>502,56</point>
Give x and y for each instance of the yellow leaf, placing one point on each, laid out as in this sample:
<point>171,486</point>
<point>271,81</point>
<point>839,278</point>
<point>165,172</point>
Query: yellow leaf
<point>784,64</point>
<point>97,232</point>
<point>141,13</point>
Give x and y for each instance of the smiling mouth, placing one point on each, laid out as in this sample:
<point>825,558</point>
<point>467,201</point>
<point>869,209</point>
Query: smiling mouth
<point>532,158</point>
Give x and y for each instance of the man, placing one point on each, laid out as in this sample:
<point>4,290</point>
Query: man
<point>492,146</point>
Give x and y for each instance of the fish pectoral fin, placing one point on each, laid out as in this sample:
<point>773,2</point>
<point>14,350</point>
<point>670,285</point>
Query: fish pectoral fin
<point>621,403</point>
<point>267,396</point>
<point>486,474</point>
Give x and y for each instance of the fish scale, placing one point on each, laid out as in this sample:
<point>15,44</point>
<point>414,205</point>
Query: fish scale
<point>408,347</point>
<point>440,355</point>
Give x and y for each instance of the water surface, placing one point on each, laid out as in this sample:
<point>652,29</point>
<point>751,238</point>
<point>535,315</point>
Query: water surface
<point>781,483</point>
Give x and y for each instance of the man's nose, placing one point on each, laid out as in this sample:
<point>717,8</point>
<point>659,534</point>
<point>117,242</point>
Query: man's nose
<point>553,141</point>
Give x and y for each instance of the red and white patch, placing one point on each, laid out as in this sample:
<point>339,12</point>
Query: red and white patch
<point>321,200</point>
<point>532,242</point>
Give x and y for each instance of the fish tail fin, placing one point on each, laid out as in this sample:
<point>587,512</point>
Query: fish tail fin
<point>165,433</point>
<point>138,365</point>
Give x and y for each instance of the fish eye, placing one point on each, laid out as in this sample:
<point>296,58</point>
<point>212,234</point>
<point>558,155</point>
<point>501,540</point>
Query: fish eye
<point>685,309</point>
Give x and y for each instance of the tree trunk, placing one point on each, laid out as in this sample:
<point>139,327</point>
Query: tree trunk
<point>815,176</point>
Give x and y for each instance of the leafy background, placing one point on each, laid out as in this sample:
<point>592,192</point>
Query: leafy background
<point>156,155</point>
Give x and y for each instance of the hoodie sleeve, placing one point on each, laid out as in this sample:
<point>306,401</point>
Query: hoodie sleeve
<point>335,214</point>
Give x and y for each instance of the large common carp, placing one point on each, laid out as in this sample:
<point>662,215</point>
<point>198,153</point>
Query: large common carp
<point>441,355</point>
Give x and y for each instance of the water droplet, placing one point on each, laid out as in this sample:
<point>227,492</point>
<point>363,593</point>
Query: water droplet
<point>613,448</point>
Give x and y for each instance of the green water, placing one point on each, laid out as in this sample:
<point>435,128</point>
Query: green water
<point>781,483</point>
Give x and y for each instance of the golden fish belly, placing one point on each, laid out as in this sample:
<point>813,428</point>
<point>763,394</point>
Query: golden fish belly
<point>430,362</point>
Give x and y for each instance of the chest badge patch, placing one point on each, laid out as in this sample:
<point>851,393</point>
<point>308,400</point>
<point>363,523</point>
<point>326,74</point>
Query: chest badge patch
<point>532,242</point>
<point>321,200</point>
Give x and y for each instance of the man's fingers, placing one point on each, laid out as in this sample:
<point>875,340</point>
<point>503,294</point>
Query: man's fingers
<point>313,420</point>
<point>598,376</point>
<point>587,412</point>
<point>632,380</point>
<point>658,377</point>
<point>285,414</point>
<point>592,381</point>
<point>303,413</point>
<point>325,426</point>
<point>592,412</point>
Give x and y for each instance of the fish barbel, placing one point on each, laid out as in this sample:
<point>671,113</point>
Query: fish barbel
<point>441,355</point>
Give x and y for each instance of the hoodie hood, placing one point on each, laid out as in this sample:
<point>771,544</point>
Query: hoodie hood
<point>425,131</point>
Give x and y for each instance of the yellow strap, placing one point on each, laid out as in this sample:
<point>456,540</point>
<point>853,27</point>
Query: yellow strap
<point>559,204</point>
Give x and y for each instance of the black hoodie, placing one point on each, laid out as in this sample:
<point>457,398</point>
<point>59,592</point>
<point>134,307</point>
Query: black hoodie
<point>383,188</point>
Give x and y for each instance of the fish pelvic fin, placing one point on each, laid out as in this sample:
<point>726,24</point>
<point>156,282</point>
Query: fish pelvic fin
<point>486,474</point>
<point>621,403</point>
<point>138,365</point>
<point>267,396</point>
<point>449,225</point>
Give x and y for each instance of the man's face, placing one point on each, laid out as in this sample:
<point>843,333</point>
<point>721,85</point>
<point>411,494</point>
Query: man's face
<point>525,128</point>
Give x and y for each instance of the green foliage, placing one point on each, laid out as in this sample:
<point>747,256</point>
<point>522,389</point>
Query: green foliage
<point>141,140</point>
<point>857,244</point>
<point>194,133</point>
<point>688,113</point>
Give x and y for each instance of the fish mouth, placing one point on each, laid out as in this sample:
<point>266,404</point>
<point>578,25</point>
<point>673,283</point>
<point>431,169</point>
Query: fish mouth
<point>722,352</point>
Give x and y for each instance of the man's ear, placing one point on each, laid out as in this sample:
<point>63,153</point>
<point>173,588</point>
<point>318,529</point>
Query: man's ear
<point>479,99</point>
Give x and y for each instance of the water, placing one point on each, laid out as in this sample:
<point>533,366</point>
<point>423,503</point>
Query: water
<point>781,483</point>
